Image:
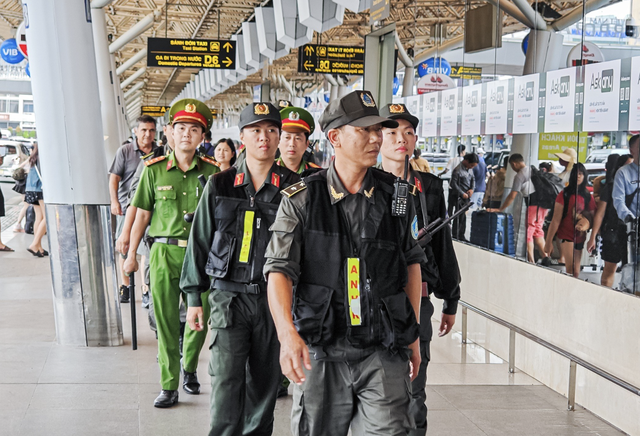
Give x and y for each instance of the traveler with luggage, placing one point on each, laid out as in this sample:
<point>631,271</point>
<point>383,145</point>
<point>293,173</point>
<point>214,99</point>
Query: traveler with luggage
<point>539,190</point>
<point>572,218</point>
<point>612,230</point>
<point>461,189</point>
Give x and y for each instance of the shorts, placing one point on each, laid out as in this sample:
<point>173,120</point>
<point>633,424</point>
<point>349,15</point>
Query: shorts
<point>33,197</point>
<point>615,251</point>
<point>535,222</point>
<point>578,246</point>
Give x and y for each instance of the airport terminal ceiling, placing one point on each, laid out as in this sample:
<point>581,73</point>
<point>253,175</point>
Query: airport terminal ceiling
<point>210,19</point>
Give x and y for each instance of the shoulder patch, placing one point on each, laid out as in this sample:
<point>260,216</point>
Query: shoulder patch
<point>294,189</point>
<point>209,160</point>
<point>154,160</point>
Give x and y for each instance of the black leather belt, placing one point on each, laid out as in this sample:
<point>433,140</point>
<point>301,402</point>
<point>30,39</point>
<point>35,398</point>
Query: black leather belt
<point>171,241</point>
<point>241,288</point>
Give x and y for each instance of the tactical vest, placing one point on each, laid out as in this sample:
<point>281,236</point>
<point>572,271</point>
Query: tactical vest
<point>242,229</point>
<point>321,306</point>
<point>427,199</point>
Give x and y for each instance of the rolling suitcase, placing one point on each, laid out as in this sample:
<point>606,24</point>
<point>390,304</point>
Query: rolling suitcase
<point>29,220</point>
<point>493,231</point>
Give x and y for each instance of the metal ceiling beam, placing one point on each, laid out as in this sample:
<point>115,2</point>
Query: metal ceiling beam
<point>133,90</point>
<point>135,31</point>
<point>576,15</point>
<point>532,15</point>
<point>99,4</point>
<point>133,77</point>
<point>512,10</point>
<point>132,61</point>
<point>451,44</point>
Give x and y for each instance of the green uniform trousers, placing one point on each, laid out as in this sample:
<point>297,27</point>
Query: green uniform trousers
<point>166,265</point>
<point>244,364</point>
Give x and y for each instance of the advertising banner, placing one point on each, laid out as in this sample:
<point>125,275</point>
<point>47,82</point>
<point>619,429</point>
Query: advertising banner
<point>551,143</point>
<point>634,99</point>
<point>560,108</point>
<point>449,112</point>
<point>525,104</point>
<point>601,97</point>
<point>471,113</point>
<point>429,121</point>
<point>497,108</point>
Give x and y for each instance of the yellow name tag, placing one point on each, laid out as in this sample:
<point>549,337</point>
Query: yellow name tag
<point>353,289</point>
<point>245,249</point>
<point>165,188</point>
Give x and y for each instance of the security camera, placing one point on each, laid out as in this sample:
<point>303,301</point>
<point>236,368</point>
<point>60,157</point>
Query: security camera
<point>631,28</point>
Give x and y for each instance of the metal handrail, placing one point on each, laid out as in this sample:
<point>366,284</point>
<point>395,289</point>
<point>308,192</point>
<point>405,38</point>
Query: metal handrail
<point>573,359</point>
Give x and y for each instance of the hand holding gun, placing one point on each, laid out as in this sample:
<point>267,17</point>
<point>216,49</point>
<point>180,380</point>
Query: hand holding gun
<point>425,234</point>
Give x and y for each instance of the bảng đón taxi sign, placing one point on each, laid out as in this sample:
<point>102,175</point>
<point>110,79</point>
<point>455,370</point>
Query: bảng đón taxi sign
<point>191,53</point>
<point>331,59</point>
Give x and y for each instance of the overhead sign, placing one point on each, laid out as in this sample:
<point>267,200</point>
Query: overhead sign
<point>10,53</point>
<point>331,59</point>
<point>584,53</point>
<point>379,10</point>
<point>497,107</point>
<point>560,98</point>
<point>191,53</point>
<point>434,66</point>
<point>469,73</point>
<point>434,82</point>
<point>155,111</point>
<point>525,104</point>
<point>21,39</point>
<point>217,113</point>
<point>601,97</point>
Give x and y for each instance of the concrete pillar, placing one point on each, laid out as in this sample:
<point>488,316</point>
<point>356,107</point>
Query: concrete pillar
<point>142,54</point>
<point>74,172</point>
<point>251,48</point>
<point>356,6</point>
<point>106,78</point>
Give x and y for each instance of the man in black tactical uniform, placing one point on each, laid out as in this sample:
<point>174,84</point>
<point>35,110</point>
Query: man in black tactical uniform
<point>356,268</point>
<point>225,252</point>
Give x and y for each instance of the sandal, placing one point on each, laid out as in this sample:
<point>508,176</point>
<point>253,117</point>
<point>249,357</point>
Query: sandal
<point>7,249</point>
<point>35,253</point>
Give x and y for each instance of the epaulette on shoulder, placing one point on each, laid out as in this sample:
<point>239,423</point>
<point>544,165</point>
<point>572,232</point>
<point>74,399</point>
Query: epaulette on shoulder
<point>155,160</point>
<point>209,160</point>
<point>147,156</point>
<point>294,189</point>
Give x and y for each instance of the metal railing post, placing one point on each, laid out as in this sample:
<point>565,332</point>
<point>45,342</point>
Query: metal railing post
<point>572,385</point>
<point>512,351</point>
<point>464,325</point>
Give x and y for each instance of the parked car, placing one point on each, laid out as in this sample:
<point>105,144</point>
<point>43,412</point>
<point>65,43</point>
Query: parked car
<point>12,154</point>
<point>601,155</point>
<point>437,161</point>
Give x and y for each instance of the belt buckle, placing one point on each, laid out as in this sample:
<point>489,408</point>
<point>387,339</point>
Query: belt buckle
<point>182,243</point>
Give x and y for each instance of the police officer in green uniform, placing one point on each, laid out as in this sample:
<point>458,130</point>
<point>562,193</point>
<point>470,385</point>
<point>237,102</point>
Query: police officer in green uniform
<point>169,187</point>
<point>226,254</point>
<point>440,273</point>
<point>297,126</point>
<point>350,332</point>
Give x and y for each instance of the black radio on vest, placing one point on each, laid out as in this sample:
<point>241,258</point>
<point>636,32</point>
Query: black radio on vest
<point>401,193</point>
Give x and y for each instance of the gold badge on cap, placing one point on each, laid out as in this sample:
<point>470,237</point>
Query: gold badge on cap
<point>294,116</point>
<point>396,109</point>
<point>261,109</point>
<point>367,99</point>
<point>190,107</point>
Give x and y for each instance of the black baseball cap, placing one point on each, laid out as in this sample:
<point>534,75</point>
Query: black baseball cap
<point>260,111</point>
<point>398,111</point>
<point>355,109</point>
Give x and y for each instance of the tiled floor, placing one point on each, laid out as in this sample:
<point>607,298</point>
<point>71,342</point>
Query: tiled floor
<point>47,389</point>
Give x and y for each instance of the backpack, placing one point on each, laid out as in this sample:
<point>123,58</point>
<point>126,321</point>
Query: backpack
<point>547,186</point>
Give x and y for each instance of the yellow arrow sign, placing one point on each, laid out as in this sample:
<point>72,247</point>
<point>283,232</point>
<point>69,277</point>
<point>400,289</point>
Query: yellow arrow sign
<point>308,65</point>
<point>227,61</point>
<point>308,50</point>
<point>227,46</point>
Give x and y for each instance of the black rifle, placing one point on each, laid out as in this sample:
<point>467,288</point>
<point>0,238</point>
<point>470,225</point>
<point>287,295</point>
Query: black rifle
<point>425,234</point>
<point>132,295</point>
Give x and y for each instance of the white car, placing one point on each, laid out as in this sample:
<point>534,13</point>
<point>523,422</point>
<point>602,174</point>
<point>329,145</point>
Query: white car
<point>12,154</point>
